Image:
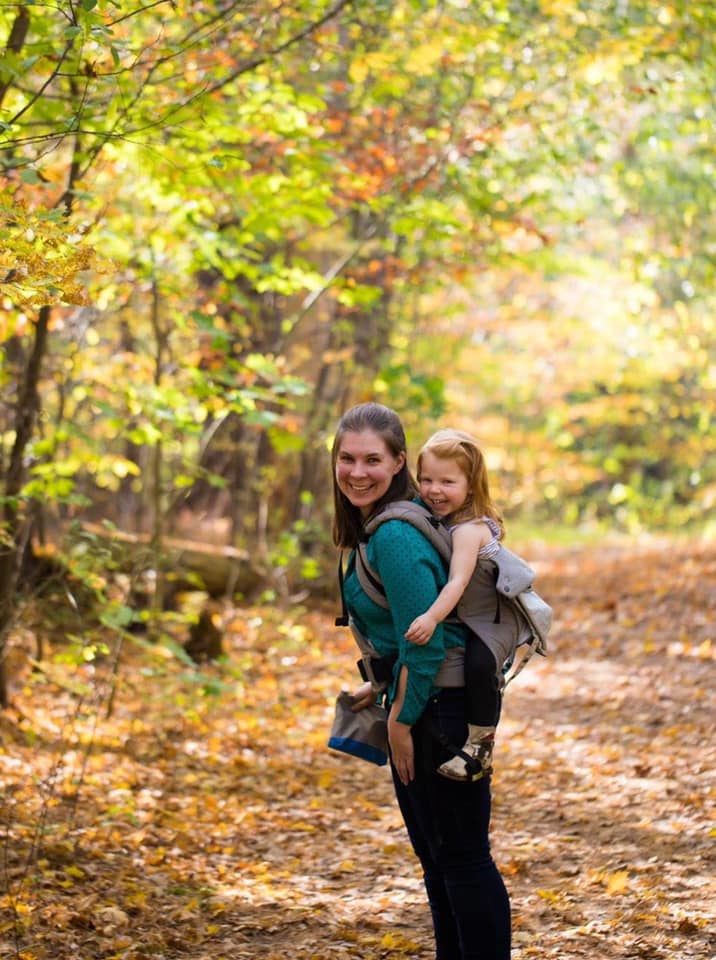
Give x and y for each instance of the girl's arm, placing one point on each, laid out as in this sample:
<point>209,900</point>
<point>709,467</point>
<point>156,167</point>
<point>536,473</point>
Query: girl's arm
<point>467,539</point>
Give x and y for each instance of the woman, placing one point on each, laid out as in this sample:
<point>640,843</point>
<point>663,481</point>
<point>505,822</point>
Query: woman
<point>447,820</point>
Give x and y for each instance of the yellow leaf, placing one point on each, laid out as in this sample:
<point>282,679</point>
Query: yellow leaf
<point>665,15</point>
<point>21,908</point>
<point>189,909</point>
<point>325,779</point>
<point>396,941</point>
<point>422,58</point>
<point>618,882</point>
<point>600,68</point>
<point>358,71</point>
<point>551,896</point>
<point>556,8</point>
<point>371,64</point>
<point>705,650</point>
<point>522,98</point>
<point>137,899</point>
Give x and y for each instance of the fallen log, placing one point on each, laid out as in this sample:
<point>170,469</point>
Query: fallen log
<point>219,569</point>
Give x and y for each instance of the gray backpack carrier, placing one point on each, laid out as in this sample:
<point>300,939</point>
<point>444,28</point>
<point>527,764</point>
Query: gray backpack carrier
<point>499,604</point>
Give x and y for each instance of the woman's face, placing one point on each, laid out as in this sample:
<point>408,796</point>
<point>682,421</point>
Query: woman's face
<point>365,468</point>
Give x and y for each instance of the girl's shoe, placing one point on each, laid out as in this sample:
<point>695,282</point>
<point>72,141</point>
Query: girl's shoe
<point>475,759</point>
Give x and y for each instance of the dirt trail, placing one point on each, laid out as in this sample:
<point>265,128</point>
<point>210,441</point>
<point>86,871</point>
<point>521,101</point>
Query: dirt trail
<point>248,839</point>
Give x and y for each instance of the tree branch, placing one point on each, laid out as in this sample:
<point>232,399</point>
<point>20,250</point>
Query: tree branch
<point>133,13</point>
<point>275,51</point>
<point>330,275</point>
<point>38,94</point>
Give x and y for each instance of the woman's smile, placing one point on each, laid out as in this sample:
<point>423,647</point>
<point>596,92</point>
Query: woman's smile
<point>365,468</point>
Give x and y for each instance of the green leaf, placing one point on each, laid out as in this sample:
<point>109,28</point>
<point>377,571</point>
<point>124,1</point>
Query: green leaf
<point>117,616</point>
<point>29,175</point>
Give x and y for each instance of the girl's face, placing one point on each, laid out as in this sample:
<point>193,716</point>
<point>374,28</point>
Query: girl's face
<point>365,468</point>
<point>443,484</point>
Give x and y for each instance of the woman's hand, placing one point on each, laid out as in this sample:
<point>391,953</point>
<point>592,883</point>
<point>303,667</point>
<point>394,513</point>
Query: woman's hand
<point>363,697</point>
<point>402,750</point>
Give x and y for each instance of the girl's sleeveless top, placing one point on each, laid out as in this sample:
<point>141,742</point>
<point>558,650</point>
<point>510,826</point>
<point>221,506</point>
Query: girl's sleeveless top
<point>489,549</point>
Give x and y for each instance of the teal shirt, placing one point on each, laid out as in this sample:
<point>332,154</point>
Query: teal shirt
<point>412,574</point>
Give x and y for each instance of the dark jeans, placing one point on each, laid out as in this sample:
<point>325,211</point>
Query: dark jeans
<point>448,823</point>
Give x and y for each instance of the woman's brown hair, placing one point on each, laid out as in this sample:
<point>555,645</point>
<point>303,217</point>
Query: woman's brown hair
<point>347,519</point>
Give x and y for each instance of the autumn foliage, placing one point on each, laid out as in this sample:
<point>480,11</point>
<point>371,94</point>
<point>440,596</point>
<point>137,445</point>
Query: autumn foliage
<point>215,822</point>
<point>221,223</point>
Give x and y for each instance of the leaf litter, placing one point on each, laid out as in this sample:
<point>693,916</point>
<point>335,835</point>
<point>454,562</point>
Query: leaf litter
<point>218,825</point>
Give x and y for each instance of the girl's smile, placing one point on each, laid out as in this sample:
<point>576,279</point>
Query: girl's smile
<point>443,484</point>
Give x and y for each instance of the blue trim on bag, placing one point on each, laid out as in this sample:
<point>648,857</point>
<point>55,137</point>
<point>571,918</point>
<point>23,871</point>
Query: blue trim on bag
<point>357,749</point>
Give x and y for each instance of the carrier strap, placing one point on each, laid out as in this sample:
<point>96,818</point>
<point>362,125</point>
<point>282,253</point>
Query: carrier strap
<point>343,620</point>
<point>472,764</point>
<point>532,647</point>
<point>369,579</point>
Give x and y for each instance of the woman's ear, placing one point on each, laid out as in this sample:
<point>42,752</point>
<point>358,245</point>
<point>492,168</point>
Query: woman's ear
<point>399,463</point>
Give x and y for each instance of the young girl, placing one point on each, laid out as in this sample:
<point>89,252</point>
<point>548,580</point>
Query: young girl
<point>453,484</point>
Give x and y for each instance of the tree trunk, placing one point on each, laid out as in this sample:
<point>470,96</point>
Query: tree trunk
<point>16,533</point>
<point>15,42</point>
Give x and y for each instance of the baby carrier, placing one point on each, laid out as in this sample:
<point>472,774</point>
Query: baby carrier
<point>508,617</point>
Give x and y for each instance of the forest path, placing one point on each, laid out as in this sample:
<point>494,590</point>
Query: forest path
<point>226,830</point>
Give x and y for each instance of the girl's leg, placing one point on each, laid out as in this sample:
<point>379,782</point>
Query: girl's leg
<point>481,683</point>
<point>483,699</point>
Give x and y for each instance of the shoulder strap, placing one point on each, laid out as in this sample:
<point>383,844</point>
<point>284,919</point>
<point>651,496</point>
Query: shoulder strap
<point>368,577</point>
<point>343,620</point>
<point>418,517</point>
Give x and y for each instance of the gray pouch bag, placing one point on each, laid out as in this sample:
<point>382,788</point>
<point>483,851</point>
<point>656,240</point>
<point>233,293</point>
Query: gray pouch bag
<point>363,734</point>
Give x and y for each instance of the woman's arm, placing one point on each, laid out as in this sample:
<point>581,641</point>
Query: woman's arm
<point>399,736</point>
<point>467,539</point>
<point>412,574</point>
